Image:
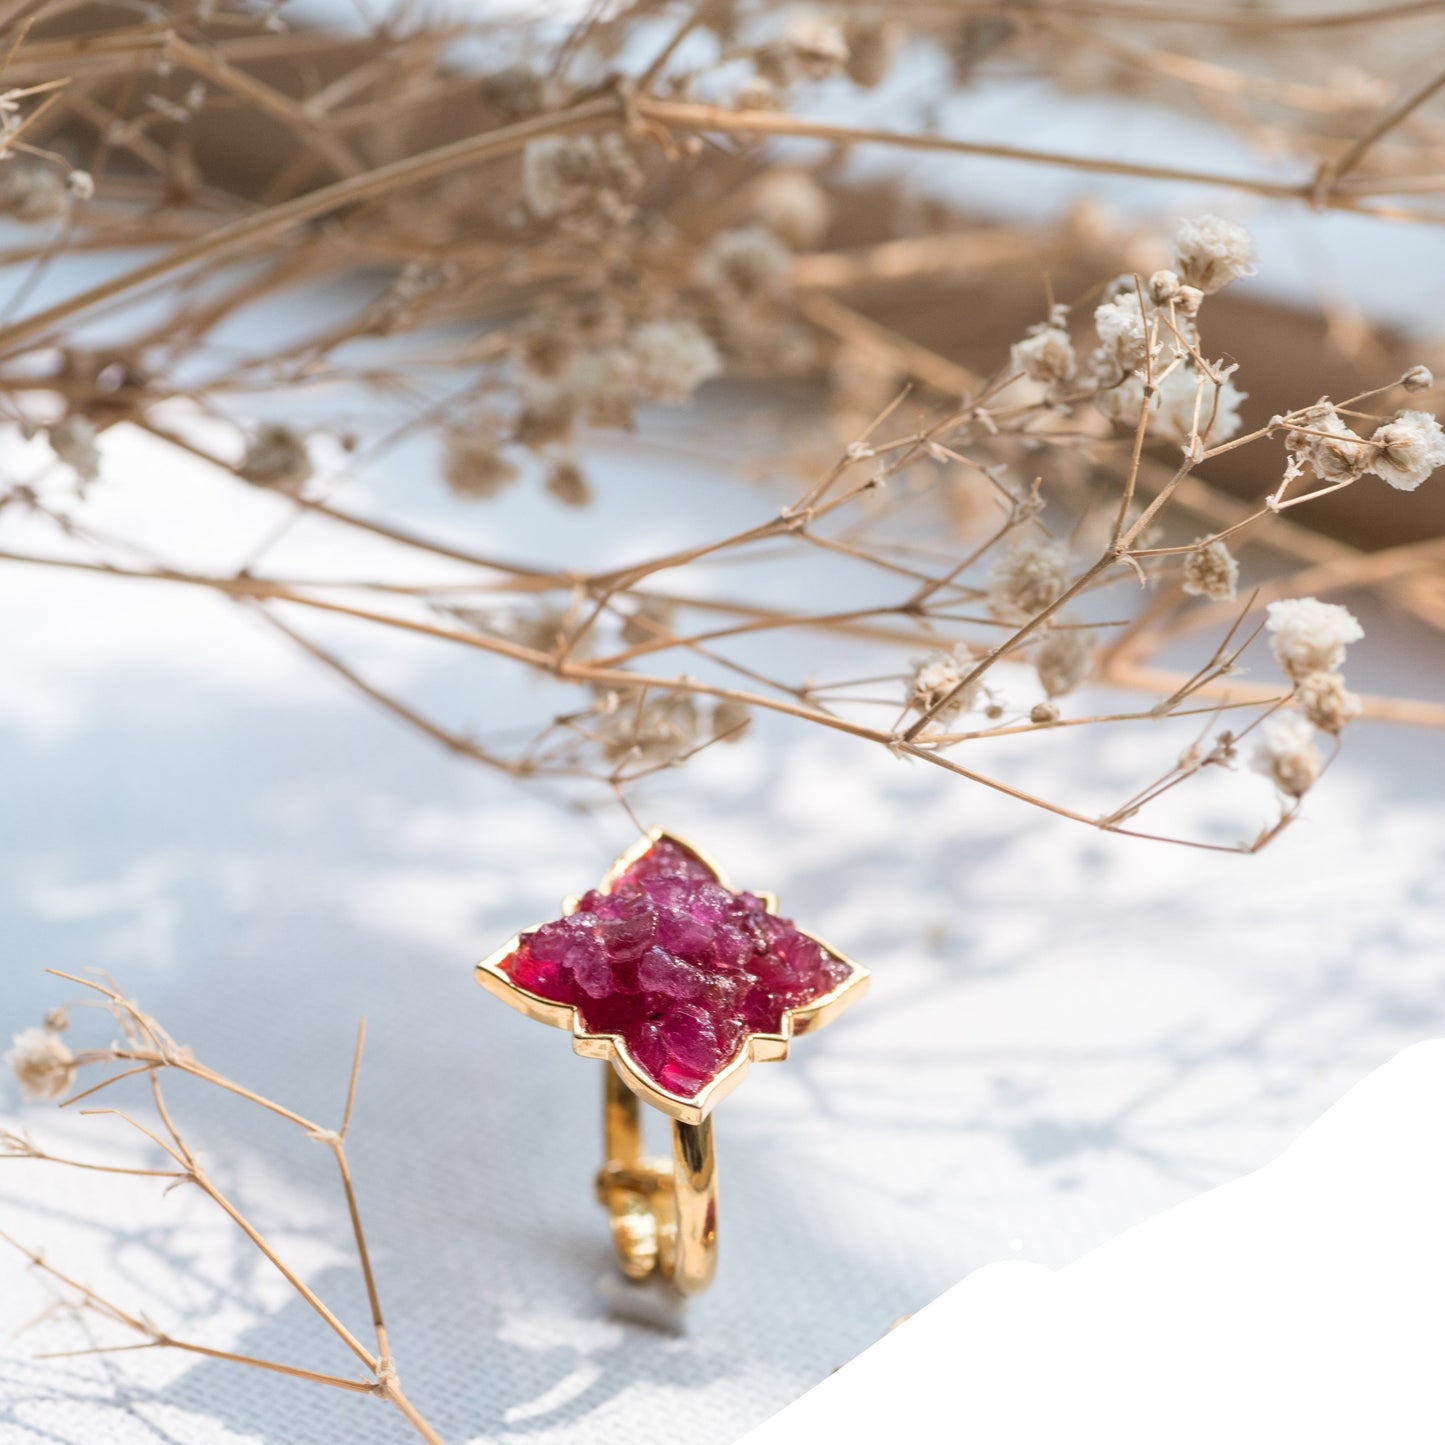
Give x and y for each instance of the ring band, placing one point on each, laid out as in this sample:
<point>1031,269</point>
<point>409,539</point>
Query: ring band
<point>678,982</point>
<point>663,1211</point>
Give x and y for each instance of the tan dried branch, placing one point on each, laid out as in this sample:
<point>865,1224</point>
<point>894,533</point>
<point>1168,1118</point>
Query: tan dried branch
<point>151,1051</point>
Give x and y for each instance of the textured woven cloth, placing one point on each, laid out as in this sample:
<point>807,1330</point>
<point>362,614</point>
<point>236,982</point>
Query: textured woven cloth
<point>1066,1035</point>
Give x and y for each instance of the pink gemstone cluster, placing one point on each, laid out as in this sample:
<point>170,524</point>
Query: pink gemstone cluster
<point>677,965</point>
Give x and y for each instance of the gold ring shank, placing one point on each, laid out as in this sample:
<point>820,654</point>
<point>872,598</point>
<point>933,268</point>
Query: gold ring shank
<point>663,1212</point>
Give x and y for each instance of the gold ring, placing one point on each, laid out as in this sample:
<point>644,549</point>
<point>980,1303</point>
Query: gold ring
<point>677,981</point>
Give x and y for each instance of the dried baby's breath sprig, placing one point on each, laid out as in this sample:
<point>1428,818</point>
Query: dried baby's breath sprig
<point>1046,355</point>
<point>276,458</point>
<point>1210,252</point>
<point>1329,447</point>
<point>937,685</point>
<point>582,235</point>
<point>1063,659</point>
<point>567,483</point>
<point>46,1069</point>
<point>673,359</point>
<point>1406,450</point>
<point>474,468</point>
<point>1210,570</point>
<point>570,238</point>
<point>1325,700</point>
<point>1309,636</point>
<point>42,1064</point>
<point>794,207</point>
<point>73,440</point>
<point>1028,577</point>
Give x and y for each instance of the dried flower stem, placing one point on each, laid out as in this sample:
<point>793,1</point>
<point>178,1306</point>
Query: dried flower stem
<point>152,1051</point>
<point>714,119</point>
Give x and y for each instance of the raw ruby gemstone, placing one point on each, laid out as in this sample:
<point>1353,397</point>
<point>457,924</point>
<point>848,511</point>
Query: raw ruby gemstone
<point>682,969</point>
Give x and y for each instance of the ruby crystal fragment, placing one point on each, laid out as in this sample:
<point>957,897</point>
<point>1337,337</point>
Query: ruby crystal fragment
<point>679,967</point>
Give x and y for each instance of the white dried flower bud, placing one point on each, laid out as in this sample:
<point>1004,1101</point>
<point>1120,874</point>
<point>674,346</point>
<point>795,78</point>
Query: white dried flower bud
<point>756,93</point>
<point>1027,578</point>
<point>1211,252</point>
<point>1046,355</point>
<point>34,191</point>
<point>659,732</point>
<point>276,458</point>
<point>1418,378</point>
<point>872,42</point>
<point>607,384</point>
<point>816,46</point>
<point>58,1020</point>
<point>1286,753</point>
<point>729,719</point>
<point>420,278</point>
<point>1187,301</point>
<point>935,677</point>
<point>42,1063</point>
<point>794,207</point>
<point>567,484</point>
<point>562,173</point>
<point>1163,287</point>
<point>473,469</point>
<point>1211,571</point>
<point>1183,399</point>
<point>546,343</point>
<point>1407,449</point>
<point>1323,698</point>
<point>747,263</point>
<point>80,184</point>
<point>73,441</point>
<point>519,90</point>
<point>673,359</point>
<point>541,629</point>
<point>1224,753</point>
<point>545,417</point>
<point>651,620</point>
<point>556,172</point>
<point>1063,659</point>
<point>1307,635</point>
<point>1123,332</point>
<point>1339,455</point>
<point>1189,402</point>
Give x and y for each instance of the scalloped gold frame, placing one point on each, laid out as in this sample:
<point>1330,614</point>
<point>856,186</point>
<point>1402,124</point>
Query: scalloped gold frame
<point>759,1048</point>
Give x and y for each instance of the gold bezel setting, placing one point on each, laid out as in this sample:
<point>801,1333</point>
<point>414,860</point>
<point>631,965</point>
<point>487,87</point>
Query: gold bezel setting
<point>756,1047</point>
